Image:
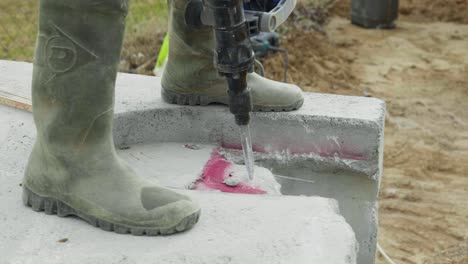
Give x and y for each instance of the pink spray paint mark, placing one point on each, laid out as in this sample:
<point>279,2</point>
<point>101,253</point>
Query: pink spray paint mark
<point>214,173</point>
<point>324,150</point>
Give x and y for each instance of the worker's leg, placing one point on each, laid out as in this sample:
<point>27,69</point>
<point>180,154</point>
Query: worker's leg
<point>74,169</point>
<point>191,78</point>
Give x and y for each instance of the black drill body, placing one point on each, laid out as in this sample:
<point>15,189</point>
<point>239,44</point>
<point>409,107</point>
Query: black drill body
<point>234,55</point>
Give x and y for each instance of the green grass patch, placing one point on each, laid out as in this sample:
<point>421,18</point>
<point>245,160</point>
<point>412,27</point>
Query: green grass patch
<point>18,27</point>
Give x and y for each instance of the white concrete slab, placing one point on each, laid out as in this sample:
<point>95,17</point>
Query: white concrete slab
<point>334,141</point>
<point>139,92</point>
<point>233,228</point>
<point>157,160</point>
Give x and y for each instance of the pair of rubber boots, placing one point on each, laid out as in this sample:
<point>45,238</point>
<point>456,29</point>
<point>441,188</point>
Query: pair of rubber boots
<point>74,168</point>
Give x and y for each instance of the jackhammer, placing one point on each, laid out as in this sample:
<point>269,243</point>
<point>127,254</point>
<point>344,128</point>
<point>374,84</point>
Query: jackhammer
<point>234,22</point>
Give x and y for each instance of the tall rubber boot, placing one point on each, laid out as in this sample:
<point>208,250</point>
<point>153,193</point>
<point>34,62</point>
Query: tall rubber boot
<point>73,168</point>
<point>191,78</point>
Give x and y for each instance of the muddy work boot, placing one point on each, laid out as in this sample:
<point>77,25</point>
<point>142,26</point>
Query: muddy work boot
<point>190,76</point>
<point>74,168</point>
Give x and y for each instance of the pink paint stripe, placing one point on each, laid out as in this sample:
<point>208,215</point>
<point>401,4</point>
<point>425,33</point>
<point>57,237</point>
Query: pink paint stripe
<point>324,151</point>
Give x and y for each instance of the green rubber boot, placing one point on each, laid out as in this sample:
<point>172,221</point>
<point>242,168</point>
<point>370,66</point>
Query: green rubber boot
<point>74,168</point>
<point>190,77</point>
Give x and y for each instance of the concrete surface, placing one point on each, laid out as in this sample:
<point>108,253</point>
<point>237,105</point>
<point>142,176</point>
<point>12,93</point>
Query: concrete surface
<point>233,228</point>
<point>334,143</point>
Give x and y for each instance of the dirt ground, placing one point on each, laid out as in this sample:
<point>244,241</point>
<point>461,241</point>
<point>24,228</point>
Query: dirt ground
<point>421,70</point>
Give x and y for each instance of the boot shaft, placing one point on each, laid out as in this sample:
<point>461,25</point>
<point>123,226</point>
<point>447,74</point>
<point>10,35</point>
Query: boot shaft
<point>189,40</point>
<point>76,61</point>
<point>191,53</point>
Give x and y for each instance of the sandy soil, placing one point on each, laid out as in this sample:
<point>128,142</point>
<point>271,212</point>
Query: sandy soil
<point>421,71</point>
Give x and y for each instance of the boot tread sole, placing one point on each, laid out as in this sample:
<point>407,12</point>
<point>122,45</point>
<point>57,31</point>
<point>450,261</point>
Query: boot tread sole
<point>203,100</point>
<point>51,206</point>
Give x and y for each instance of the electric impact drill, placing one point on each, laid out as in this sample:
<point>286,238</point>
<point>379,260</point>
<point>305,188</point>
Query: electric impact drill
<point>234,22</point>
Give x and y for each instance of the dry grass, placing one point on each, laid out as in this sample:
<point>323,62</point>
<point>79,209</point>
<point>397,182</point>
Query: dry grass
<point>18,27</point>
<point>146,27</point>
<point>146,24</point>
